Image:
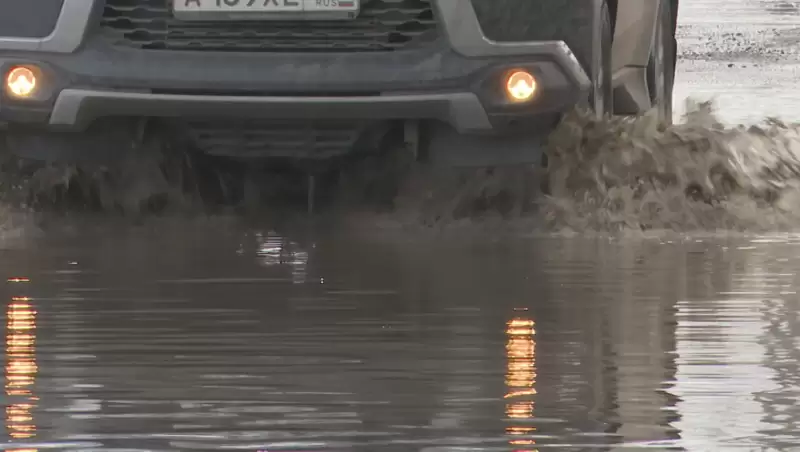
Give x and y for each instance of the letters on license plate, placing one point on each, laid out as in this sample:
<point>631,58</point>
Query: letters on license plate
<point>265,9</point>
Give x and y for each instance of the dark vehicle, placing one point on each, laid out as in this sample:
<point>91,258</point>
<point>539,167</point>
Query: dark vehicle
<point>461,82</point>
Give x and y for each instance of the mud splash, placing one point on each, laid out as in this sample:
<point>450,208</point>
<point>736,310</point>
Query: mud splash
<point>697,175</point>
<point>622,174</point>
<point>159,179</point>
<point>603,176</point>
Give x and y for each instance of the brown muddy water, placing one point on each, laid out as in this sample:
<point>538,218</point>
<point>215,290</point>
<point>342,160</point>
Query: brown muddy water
<point>241,338</point>
<point>222,333</point>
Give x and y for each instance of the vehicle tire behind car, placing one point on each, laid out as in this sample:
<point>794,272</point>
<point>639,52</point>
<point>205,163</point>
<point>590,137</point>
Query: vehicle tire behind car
<point>661,68</point>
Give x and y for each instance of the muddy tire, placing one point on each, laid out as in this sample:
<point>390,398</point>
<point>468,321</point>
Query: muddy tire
<point>661,68</point>
<point>602,95</point>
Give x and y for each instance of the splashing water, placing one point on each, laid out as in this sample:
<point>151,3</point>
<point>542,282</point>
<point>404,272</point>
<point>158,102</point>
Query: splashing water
<point>627,174</point>
<point>159,177</point>
<point>609,175</point>
<point>696,175</point>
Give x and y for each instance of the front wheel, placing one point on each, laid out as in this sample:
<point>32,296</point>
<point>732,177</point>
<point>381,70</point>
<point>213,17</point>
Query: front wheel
<point>602,95</point>
<point>661,68</point>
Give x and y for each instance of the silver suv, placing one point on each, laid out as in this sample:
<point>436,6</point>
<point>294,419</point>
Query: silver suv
<point>463,82</point>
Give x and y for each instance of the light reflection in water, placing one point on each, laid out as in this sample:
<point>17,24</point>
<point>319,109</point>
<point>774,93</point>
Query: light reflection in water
<point>21,368</point>
<point>521,382</point>
<point>274,249</point>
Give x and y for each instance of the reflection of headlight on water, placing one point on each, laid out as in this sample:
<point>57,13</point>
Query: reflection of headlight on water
<point>520,380</point>
<point>276,250</point>
<point>20,368</point>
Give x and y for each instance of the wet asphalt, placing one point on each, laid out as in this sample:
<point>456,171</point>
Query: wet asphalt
<point>199,335</point>
<point>743,54</point>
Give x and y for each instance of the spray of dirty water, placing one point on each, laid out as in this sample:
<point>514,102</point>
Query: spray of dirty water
<point>159,179</point>
<point>622,175</point>
<point>602,176</point>
<point>696,175</point>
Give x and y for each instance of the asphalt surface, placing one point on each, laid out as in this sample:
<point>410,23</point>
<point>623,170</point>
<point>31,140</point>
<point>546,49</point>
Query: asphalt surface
<point>743,54</point>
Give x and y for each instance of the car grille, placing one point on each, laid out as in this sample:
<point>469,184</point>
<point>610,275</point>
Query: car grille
<point>297,139</point>
<point>382,25</point>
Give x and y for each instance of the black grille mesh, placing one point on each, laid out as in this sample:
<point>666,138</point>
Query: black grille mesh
<point>382,25</point>
<point>274,138</point>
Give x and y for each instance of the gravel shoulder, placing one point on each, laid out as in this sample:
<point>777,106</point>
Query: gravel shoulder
<point>744,54</point>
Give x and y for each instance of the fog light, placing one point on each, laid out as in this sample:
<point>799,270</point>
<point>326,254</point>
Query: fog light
<point>521,86</point>
<point>21,82</point>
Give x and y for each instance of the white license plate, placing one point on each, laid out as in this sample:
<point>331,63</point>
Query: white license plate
<point>265,9</point>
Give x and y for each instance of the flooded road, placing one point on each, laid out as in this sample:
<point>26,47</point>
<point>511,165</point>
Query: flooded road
<point>254,341</point>
<point>212,336</point>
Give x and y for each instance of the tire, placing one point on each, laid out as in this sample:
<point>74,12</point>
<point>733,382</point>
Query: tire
<point>661,68</point>
<point>602,95</point>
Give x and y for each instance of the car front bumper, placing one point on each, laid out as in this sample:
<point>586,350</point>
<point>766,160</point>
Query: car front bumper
<point>86,77</point>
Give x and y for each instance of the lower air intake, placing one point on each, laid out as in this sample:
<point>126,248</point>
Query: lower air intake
<point>274,138</point>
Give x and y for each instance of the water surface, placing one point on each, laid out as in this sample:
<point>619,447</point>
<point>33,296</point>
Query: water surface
<point>255,341</point>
